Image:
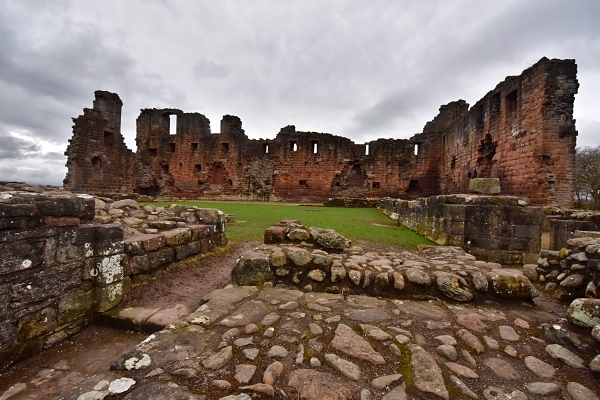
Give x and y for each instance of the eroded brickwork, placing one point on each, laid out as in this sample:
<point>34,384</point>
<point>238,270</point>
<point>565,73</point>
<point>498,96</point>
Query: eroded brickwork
<point>98,160</point>
<point>522,132</point>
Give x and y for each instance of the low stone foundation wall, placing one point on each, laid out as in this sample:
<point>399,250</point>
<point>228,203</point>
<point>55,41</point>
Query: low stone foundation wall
<point>562,225</point>
<point>500,229</point>
<point>570,273</point>
<point>57,268</point>
<point>300,258</point>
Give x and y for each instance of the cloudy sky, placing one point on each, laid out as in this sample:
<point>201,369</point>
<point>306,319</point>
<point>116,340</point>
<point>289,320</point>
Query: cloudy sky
<point>359,69</point>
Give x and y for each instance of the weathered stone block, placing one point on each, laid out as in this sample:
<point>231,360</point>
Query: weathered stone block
<point>252,269</point>
<point>274,234</point>
<point>454,213</point>
<point>152,242</point>
<point>484,185</point>
<point>37,324</point>
<point>105,270</point>
<point>78,207</point>
<point>160,258</point>
<point>210,216</point>
<point>72,305</point>
<point>8,335</point>
<point>177,237</point>
<point>72,243</point>
<point>18,210</point>
<point>107,297</point>
<point>108,240</point>
<point>186,250</point>
<point>18,256</point>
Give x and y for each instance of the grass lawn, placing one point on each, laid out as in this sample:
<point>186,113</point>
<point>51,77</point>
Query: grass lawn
<point>354,223</point>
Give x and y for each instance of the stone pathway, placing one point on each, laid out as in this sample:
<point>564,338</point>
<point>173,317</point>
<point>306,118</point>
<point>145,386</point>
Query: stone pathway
<point>250,342</point>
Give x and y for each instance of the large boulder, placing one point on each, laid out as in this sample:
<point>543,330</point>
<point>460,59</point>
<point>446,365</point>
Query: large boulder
<point>584,312</point>
<point>511,284</point>
<point>253,268</point>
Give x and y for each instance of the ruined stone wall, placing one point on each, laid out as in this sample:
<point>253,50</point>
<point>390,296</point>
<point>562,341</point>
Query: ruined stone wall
<point>58,270</point>
<point>98,160</point>
<point>500,229</point>
<point>522,132</point>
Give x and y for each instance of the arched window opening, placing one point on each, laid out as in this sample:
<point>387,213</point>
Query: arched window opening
<point>356,176</point>
<point>97,162</point>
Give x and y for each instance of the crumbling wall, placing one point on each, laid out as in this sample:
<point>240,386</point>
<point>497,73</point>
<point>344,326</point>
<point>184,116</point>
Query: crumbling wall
<point>522,132</point>
<point>98,160</point>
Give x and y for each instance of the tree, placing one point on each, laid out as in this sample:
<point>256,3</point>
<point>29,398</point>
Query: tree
<point>587,175</point>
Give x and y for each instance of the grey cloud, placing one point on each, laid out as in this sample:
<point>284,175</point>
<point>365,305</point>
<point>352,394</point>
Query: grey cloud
<point>15,148</point>
<point>206,69</point>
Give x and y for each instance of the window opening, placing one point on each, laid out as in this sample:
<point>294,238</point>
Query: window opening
<point>198,168</point>
<point>165,168</point>
<point>225,147</point>
<point>172,124</point>
<point>109,138</point>
<point>376,185</point>
<point>266,148</point>
<point>303,182</point>
<point>153,152</point>
<point>366,149</point>
<point>194,146</point>
<point>172,147</point>
<point>96,162</point>
<point>294,146</point>
<point>416,149</point>
<point>315,147</point>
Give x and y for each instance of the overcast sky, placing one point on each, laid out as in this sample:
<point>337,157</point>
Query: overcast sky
<point>360,69</point>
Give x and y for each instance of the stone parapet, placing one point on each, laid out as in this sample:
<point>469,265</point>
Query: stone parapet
<point>502,229</point>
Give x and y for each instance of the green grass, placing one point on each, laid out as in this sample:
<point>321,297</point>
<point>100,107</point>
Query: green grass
<point>354,223</point>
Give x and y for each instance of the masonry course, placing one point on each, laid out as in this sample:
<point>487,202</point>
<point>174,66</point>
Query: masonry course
<point>521,132</point>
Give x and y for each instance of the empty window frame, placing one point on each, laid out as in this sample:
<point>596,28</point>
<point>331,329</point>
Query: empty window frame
<point>194,146</point>
<point>153,152</point>
<point>198,168</point>
<point>376,185</point>
<point>302,182</point>
<point>172,147</point>
<point>109,138</point>
<point>96,162</point>
<point>225,148</point>
<point>266,148</point>
<point>172,124</point>
<point>293,145</point>
<point>366,149</point>
<point>416,149</point>
<point>314,145</point>
<point>165,168</point>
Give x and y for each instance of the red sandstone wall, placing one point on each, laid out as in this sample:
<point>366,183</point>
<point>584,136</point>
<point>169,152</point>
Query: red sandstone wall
<point>522,132</point>
<point>98,159</point>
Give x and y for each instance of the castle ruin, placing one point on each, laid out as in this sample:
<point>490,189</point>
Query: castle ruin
<point>521,132</point>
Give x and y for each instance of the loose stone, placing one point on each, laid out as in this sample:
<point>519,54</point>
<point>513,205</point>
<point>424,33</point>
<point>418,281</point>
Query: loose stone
<point>567,356</point>
<point>397,393</point>
<point>384,381</point>
<point>502,368</point>
<point>349,342</point>
<point>315,329</point>
<point>539,367</point>
<point>277,352</point>
<point>446,339</point>
<point>344,367</point>
<point>542,388</point>
<point>511,351</point>
<point>470,340</point>
<point>472,322</point>
<point>461,370</point>
<point>463,387</point>
<point>428,375</point>
<point>355,276</point>
<point>314,362</point>
<point>492,344</point>
<point>447,351</point>
<point>508,333</point>
<point>272,372</point>
<point>221,384</point>
<point>469,358</point>
<point>418,277</point>
<point>219,359</point>
<point>314,385</point>
<point>374,332</point>
<point>580,392</point>
<point>260,388</point>
<point>250,354</point>
<point>244,372</point>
